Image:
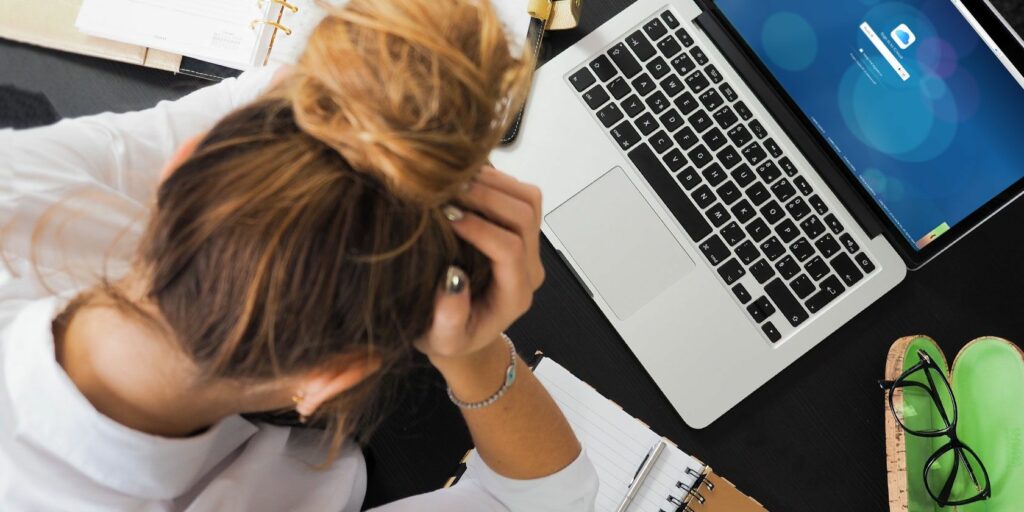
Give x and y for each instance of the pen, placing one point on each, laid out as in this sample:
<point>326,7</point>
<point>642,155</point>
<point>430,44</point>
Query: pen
<point>641,474</point>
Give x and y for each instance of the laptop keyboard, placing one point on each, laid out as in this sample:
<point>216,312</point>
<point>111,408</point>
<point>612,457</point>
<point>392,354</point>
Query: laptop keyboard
<point>752,213</point>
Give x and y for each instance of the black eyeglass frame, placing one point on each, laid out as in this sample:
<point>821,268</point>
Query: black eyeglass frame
<point>955,444</point>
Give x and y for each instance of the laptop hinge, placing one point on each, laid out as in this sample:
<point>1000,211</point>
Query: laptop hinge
<point>821,157</point>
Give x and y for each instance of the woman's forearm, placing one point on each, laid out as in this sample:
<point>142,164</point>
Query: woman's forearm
<point>523,435</point>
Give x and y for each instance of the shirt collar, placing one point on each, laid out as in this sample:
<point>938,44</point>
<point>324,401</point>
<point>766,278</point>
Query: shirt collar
<point>50,413</point>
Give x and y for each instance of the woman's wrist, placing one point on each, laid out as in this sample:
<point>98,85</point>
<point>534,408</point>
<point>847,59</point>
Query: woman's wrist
<point>476,376</point>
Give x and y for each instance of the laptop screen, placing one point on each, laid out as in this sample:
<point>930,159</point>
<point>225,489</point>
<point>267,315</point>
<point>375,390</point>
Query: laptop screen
<point>912,95</point>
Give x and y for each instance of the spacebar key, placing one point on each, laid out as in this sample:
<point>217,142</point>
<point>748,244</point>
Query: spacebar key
<point>661,181</point>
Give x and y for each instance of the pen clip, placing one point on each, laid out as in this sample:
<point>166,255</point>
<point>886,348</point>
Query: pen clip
<point>641,466</point>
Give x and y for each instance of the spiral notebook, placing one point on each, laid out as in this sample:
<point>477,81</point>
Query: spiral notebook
<point>626,455</point>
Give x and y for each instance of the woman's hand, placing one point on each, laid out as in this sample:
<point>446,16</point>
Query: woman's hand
<point>506,229</point>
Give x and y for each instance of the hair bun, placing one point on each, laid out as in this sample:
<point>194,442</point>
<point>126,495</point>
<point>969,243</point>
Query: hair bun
<point>416,91</point>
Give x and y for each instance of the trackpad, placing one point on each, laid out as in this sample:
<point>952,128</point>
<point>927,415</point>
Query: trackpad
<point>620,243</point>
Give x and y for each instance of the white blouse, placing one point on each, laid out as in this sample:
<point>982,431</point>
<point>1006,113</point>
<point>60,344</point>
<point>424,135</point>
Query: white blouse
<point>92,180</point>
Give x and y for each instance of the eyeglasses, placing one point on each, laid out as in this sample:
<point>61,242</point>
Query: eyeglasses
<point>954,474</point>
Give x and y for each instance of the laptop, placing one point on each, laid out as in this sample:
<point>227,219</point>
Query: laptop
<point>733,180</point>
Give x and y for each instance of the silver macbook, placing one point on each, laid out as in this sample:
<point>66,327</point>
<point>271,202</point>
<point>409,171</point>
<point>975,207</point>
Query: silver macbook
<point>734,180</point>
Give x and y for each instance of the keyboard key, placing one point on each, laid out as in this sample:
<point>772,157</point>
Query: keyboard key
<point>729,93</point>
<point>729,157</point>
<point>802,249</point>
<point>624,60</point>
<point>689,178</point>
<point>669,47</point>
<point>773,148</point>
<point>697,82</point>
<point>661,142</point>
<point>865,263</point>
<point>743,176</point>
<point>713,73</point>
<point>758,230</point>
<point>787,231</point>
<point>787,166</point>
<point>743,211</point>
<point>768,171</point>
<point>640,45</point>
<point>610,114</point>
<point>812,227</point>
<point>658,102</point>
<point>758,129</point>
<point>733,234</point>
<point>718,215</point>
<point>596,97</point>
<point>671,120</point>
<point>833,224</point>
<point>802,286</point>
<point>703,196</point>
<point>700,156</point>
<point>674,160</point>
<point>711,99</point>
<point>783,190</point>
<point>829,290</point>
<point>756,314</point>
<point>801,183</point>
<point>625,135</point>
<point>758,194</point>
<point>685,138</point>
<point>670,19</point>
<point>714,175</point>
<point>672,86</point>
<point>818,205</point>
<point>772,212</point>
<point>747,252</point>
<point>817,268</point>
<point>762,271</point>
<point>741,294</point>
<point>847,269</point>
<point>603,68</point>
<point>755,154</point>
<point>744,112</point>
<point>655,29</point>
<point>684,37</point>
<point>582,79</point>
<point>740,136</point>
<point>765,306</point>
<point>619,88</point>
<point>714,139</point>
<point>714,250</point>
<point>646,124</point>
<point>787,268</point>
<point>683,64</point>
<point>788,306</point>
<point>773,249</point>
<point>661,181</point>
<point>686,104</point>
<point>644,84</point>
<point>827,246</point>
<point>633,106</point>
<point>658,68</point>
<point>729,193</point>
<point>849,243</point>
<point>771,332</point>
<point>700,121</point>
<point>725,117</point>
<point>698,56</point>
<point>798,209</point>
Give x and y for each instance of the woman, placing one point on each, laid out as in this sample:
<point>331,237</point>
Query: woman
<point>298,254</point>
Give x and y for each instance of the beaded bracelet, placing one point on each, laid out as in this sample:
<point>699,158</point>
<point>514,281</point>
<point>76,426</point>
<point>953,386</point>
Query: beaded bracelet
<point>510,378</point>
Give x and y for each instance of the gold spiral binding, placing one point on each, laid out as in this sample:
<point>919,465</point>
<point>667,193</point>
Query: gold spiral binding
<point>287,31</point>
<point>283,3</point>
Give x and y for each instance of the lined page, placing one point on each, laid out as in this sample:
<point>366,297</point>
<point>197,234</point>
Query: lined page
<point>217,32</point>
<point>617,444</point>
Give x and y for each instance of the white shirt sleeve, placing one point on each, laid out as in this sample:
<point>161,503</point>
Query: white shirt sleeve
<point>573,489</point>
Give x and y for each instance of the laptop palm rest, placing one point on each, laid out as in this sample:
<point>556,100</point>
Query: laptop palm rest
<point>623,247</point>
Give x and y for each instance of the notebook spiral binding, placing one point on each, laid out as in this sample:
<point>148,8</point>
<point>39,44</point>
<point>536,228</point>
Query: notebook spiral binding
<point>276,23</point>
<point>694,492</point>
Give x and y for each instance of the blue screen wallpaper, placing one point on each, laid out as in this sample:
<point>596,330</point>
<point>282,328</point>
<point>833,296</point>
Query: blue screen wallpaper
<point>921,110</point>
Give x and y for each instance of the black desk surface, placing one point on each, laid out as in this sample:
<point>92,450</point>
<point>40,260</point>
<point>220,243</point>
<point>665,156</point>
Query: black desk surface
<point>809,440</point>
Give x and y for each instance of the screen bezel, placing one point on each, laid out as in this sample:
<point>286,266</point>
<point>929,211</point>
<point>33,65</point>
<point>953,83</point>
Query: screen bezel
<point>1008,41</point>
